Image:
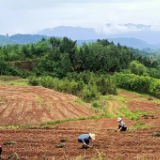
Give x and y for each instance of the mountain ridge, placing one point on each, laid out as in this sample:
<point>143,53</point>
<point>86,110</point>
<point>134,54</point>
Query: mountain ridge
<point>28,38</point>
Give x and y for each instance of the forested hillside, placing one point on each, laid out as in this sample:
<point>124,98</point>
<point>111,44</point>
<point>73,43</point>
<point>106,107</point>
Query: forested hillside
<point>84,70</point>
<point>56,57</point>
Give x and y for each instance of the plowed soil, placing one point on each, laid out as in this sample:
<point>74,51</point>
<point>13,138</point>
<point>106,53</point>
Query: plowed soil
<point>34,144</point>
<point>34,105</point>
<point>143,105</point>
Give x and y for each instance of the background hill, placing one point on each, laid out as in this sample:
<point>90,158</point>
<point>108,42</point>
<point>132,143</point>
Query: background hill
<point>28,38</point>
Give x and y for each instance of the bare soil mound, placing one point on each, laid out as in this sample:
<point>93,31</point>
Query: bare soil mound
<point>91,125</point>
<point>34,105</point>
<point>143,106</point>
<point>128,95</point>
<point>38,143</point>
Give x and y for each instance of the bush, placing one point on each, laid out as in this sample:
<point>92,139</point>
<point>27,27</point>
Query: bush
<point>33,81</point>
<point>96,104</point>
<point>139,84</point>
<point>90,94</point>
<point>47,82</point>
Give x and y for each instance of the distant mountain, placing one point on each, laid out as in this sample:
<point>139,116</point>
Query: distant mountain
<point>71,32</point>
<point>133,42</point>
<point>5,40</point>
<point>129,42</point>
<point>129,30</point>
<point>26,38</point>
<point>20,39</point>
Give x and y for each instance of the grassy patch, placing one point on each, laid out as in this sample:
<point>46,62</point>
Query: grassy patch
<point>9,127</point>
<point>139,125</point>
<point>130,115</point>
<point>1,100</point>
<point>61,145</point>
<point>9,143</point>
<point>157,102</point>
<point>13,82</point>
<point>68,120</point>
<point>113,97</point>
<point>8,78</point>
<point>39,100</point>
<point>79,101</point>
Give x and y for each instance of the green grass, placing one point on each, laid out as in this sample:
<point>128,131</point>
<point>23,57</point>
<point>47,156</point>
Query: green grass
<point>39,100</point>
<point>9,143</point>
<point>1,100</point>
<point>14,82</point>
<point>130,115</point>
<point>9,127</point>
<point>68,120</point>
<point>141,125</point>
<point>61,145</point>
<point>79,101</point>
<point>113,97</point>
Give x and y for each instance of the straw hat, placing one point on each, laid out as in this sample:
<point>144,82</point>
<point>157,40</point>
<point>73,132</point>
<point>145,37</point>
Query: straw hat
<point>119,119</point>
<point>92,136</point>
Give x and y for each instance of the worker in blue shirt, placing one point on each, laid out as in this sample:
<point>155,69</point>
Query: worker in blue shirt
<point>85,139</point>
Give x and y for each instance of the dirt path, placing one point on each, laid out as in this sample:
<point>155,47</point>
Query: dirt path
<point>110,108</point>
<point>116,108</point>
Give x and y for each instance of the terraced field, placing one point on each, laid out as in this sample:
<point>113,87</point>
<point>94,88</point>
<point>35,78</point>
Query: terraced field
<point>37,144</point>
<point>132,102</point>
<point>34,105</point>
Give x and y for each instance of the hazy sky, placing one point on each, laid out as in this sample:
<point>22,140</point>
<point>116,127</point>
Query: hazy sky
<point>31,16</point>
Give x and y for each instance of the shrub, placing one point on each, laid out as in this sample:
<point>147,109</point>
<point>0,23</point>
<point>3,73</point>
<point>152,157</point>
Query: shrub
<point>90,93</point>
<point>139,84</point>
<point>47,82</point>
<point>96,104</point>
<point>33,81</point>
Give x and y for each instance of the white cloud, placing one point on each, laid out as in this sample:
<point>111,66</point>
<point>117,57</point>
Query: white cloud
<point>30,16</point>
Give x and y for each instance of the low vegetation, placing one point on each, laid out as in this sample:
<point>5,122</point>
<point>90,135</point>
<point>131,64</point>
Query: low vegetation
<point>156,134</point>
<point>68,120</point>
<point>61,145</point>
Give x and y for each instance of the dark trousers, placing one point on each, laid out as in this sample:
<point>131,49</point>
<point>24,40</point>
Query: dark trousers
<point>0,151</point>
<point>86,141</point>
<point>123,129</point>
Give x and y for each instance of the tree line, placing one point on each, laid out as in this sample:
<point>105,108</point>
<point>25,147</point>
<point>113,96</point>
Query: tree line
<point>57,57</point>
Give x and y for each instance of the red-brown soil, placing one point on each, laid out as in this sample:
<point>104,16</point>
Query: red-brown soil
<point>128,95</point>
<point>152,120</point>
<point>143,105</point>
<point>35,143</point>
<point>34,105</point>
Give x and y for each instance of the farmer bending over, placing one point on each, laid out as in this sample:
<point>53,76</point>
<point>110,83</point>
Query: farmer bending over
<point>0,152</point>
<point>122,126</point>
<point>85,139</point>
